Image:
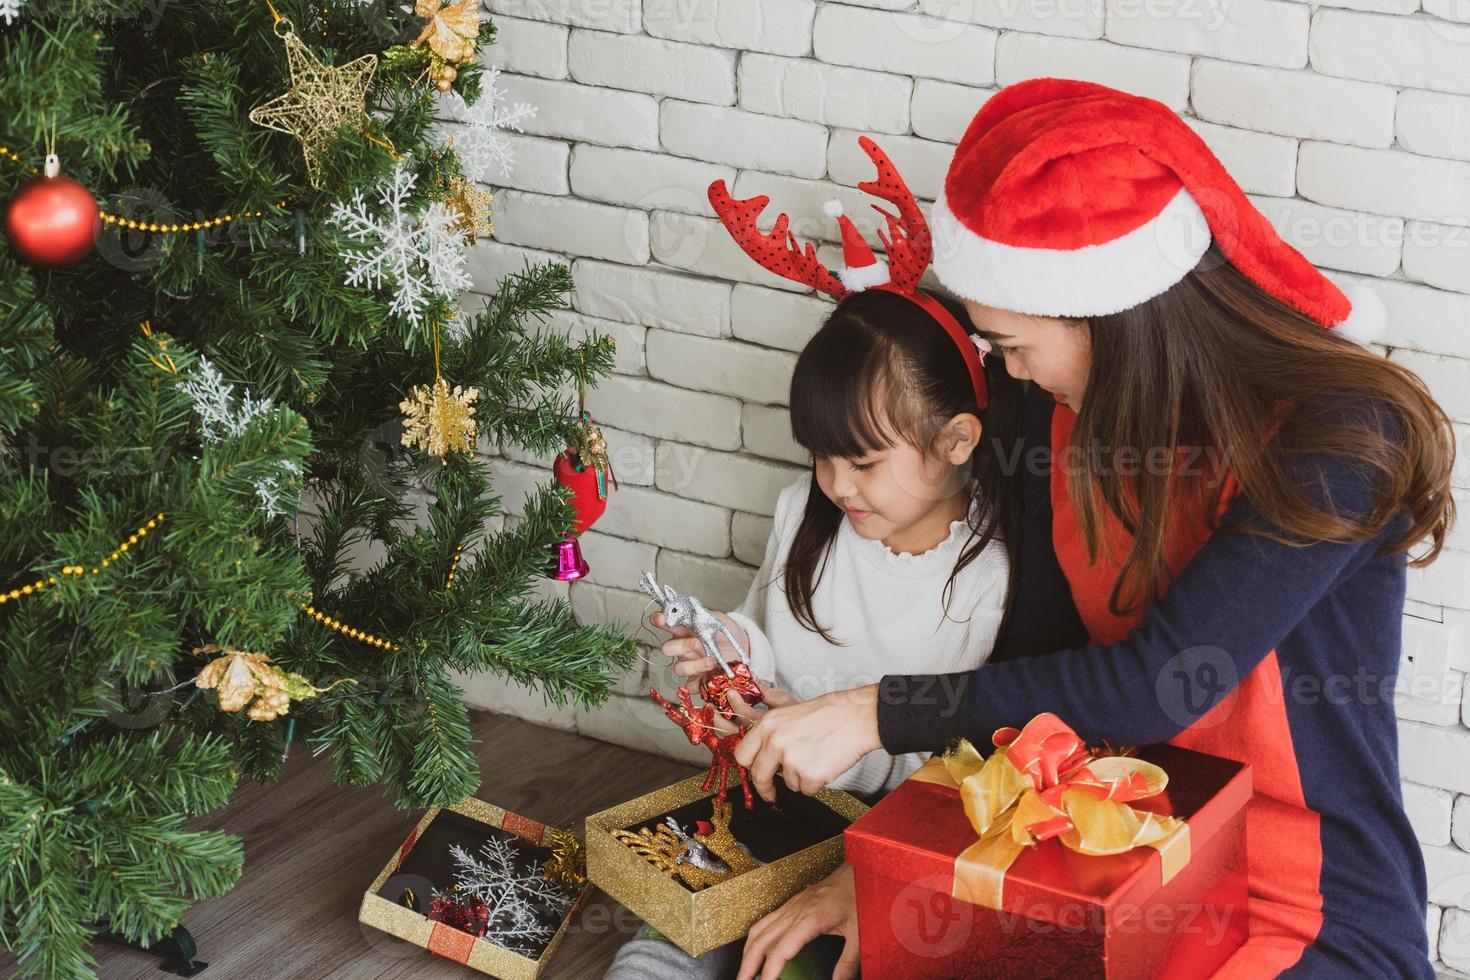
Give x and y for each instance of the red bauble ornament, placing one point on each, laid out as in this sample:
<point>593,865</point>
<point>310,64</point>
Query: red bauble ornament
<point>716,688</point>
<point>588,504</point>
<point>52,221</point>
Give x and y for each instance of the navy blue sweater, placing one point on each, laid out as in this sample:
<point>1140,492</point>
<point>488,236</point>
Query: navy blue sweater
<point>1332,614</point>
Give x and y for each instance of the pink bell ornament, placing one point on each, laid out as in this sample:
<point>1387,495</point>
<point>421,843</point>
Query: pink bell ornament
<point>567,563</point>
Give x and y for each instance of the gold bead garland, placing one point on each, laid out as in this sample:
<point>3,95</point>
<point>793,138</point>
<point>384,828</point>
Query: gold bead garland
<point>14,158</point>
<point>81,570</point>
<point>453,567</point>
<point>189,226</point>
<point>332,623</point>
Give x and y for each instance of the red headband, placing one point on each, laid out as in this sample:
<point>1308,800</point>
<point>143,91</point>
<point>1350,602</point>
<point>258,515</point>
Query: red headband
<point>907,244</point>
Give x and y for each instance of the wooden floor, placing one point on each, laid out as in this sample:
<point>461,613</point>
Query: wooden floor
<point>312,848</point>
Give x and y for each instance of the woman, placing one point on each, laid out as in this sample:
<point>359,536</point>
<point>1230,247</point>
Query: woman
<point>1235,493</point>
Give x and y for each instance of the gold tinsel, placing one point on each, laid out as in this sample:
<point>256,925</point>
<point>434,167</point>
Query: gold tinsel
<point>440,419</point>
<point>471,209</point>
<point>567,865</point>
<point>321,100</point>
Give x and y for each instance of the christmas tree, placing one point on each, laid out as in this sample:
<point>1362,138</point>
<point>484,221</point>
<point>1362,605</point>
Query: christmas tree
<point>205,395</point>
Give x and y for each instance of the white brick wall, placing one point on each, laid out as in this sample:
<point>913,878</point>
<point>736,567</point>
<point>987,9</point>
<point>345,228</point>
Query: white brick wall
<point>1348,121</point>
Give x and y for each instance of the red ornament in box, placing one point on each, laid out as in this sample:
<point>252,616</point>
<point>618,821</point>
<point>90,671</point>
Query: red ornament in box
<point>463,912</point>
<point>1024,864</point>
<point>52,221</point>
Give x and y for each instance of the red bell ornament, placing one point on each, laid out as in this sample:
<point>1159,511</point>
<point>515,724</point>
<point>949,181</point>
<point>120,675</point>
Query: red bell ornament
<point>52,221</point>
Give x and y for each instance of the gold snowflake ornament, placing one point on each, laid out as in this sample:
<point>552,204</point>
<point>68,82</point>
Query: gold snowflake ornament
<point>471,209</point>
<point>321,100</point>
<point>440,419</point>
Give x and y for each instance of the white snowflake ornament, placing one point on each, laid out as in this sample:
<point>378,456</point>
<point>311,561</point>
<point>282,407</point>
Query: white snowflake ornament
<point>481,146</point>
<point>224,416</point>
<point>523,904</point>
<point>418,256</point>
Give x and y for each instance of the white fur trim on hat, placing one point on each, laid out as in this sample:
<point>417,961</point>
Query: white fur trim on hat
<point>1094,280</point>
<point>1368,318</point>
<point>857,279</point>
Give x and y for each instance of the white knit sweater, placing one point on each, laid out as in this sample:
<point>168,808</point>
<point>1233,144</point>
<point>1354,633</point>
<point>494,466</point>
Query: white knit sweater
<point>887,608</point>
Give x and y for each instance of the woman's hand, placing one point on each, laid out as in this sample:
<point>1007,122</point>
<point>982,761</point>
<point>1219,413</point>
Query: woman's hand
<point>690,661</point>
<point>828,907</point>
<point>811,742</point>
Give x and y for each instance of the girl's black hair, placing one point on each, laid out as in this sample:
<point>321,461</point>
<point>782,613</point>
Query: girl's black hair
<point>881,357</point>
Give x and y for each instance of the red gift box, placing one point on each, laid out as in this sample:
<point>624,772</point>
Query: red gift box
<point>1158,911</point>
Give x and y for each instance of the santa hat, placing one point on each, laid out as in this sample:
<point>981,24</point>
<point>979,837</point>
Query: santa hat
<point>1070,199</point>
<point>861,269</point>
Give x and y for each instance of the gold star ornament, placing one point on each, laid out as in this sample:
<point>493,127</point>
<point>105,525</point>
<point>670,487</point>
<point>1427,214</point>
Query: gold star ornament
<point>440,419</point>
<point>321,100</point>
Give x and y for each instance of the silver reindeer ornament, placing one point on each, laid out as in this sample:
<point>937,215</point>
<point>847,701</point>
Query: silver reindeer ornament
<point>686,610</point>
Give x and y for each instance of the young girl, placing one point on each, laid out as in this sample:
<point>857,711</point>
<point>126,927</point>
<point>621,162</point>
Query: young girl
<point>1241,571</point>
<point>891,555</point>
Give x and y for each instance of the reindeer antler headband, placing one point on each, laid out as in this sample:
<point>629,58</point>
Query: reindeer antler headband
<point>907,244</point>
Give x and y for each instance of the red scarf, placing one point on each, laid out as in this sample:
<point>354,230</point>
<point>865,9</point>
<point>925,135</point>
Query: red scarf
<point>1249,725</point>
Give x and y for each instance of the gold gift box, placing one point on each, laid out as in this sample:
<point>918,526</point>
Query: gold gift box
<point>699,921</point>
<point>444,940</point>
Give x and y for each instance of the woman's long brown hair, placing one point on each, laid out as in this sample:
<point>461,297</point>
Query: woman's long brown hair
<point>881,369</point>
<point>1217,364</point>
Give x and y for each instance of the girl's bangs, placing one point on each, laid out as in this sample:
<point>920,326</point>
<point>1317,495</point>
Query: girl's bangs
<point>830,414</point>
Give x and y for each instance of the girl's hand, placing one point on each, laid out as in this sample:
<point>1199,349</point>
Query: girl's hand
<point>828,907</point>
<point>690,662</point>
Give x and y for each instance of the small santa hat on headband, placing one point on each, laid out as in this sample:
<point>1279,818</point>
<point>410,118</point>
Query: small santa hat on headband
<point>1067,198</point>
<point>861,269</point>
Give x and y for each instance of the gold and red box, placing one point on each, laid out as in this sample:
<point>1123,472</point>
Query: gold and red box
<point>440,827</point>
<point>1056,913</point>
<point>699,921</point>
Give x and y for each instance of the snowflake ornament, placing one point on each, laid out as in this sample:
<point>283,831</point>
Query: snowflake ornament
<point>524,906</point>
<point>419,256</point>
<point>221,416</point>
<point>482,147</point>
<point>440,419</point>
<point>224,416</point>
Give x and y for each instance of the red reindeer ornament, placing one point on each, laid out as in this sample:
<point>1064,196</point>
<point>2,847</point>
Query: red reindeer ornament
<point>699,726</point>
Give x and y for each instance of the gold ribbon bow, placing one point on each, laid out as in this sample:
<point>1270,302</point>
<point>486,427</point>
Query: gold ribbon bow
<point>1043,782</point>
